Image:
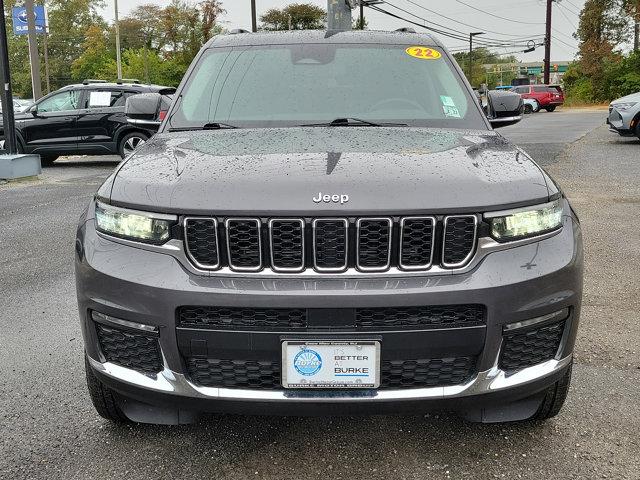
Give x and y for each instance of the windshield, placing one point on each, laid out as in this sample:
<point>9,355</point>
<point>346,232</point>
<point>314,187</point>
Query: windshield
<point>288,85</point>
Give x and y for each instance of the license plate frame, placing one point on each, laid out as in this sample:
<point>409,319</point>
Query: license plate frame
<point>303,362</point>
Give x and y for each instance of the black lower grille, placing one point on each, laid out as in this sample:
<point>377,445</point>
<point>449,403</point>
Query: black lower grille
<point>394,374</point>
<point>530,347</point>
<point>132,350</point>
<point>234,373</point>
<point>439,372</point>
<point>298,319</point>
<point>444,316</point>
<point>238,318</point>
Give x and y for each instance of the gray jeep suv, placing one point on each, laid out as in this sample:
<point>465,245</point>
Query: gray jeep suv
<point>327,223</point>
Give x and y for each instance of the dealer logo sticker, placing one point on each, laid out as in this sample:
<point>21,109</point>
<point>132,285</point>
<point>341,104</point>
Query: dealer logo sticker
<point>307,362</point>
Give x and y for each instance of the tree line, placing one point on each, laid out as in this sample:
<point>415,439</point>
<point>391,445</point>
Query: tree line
<point>157,43</point>
<point>603,71</point>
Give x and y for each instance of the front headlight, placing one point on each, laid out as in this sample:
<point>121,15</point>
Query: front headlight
<point>525,222</point>
<point>624,106</point>
<point>134,225</point>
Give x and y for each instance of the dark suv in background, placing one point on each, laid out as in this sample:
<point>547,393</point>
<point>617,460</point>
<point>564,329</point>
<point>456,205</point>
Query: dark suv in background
<point>85,119</point>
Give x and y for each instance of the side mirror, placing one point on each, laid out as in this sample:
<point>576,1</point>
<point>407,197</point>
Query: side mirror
<point>504,108</point>
<point>143,109</point>
<point>33,110</point>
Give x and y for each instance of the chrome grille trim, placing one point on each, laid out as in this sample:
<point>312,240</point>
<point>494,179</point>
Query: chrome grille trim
<point>273,263</point>
<point>433,243</point>
<point>346,256</point>
<point>186,243</point>
<point>384,267</point>
<point>474,243</point>
<point>258,224</point>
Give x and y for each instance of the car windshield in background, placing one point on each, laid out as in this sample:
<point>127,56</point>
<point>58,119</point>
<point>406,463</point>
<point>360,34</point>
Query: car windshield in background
<point>289,85</point>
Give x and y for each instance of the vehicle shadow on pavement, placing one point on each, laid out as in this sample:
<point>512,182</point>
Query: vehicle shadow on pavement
<point>282,447</point>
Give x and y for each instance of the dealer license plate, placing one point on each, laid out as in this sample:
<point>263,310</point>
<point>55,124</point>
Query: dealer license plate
<point>331,364</point>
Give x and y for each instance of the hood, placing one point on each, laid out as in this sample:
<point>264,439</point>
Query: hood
<point>382,170</point>
<point>634,97</point>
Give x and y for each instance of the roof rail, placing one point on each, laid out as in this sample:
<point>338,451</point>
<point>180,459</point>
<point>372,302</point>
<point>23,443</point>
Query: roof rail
<point>87,81</point>
<point>406,29</point>
<point>120,81</point>
<point>235,31</point>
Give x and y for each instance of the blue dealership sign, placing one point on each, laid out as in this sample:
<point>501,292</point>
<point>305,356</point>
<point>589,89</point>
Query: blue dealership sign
<point>20,26</point>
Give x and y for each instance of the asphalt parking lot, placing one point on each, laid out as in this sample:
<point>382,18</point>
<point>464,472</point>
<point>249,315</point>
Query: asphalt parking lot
<point>48,428</point>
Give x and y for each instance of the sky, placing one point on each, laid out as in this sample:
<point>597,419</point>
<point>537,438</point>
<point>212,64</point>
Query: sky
<point>520,19</point>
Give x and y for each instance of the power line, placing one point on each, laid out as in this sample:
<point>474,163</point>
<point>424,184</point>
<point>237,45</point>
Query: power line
<point>561,10</point>
<point>462,23</point>
<point>498,16</point>
<point>458,35</point>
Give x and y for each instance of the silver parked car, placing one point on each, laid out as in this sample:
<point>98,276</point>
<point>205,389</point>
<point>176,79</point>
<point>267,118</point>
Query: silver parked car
<point>624,116</point>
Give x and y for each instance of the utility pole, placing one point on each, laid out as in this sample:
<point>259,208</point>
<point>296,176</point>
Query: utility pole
<point>34,57</point>
<point>46,58</point>
<point>254,19</point>
<point>471,35</point>
<point>118,58</point>
<point>338,15</point>
<point>361,14</point>
<point>547,45</point>
<point>10,144</point>
<point>636,30</point>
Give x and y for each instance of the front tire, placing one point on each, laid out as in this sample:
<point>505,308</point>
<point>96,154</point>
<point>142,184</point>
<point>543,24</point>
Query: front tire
<point>554,398</point>
<point>47,160</point>
<point>550,109</point>
<point>528,108</point>
<point>102,397</point>
<point>130,142</point>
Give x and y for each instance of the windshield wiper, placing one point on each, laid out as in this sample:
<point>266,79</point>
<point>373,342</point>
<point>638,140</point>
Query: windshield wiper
<point>353,122</point>
<point>206,126</point>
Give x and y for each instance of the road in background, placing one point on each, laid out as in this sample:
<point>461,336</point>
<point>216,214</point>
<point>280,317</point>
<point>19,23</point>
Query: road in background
<point>48,429</point>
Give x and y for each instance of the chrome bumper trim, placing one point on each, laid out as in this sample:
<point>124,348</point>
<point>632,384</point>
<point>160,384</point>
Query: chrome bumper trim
<point>170,382</point>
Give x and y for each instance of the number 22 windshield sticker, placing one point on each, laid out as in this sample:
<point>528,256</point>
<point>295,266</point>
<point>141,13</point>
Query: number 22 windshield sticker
<point>423,53</point>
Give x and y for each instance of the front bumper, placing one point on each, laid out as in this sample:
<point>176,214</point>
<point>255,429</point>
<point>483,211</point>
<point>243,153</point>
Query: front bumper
<point>621,122</point>
<point>515,285</point>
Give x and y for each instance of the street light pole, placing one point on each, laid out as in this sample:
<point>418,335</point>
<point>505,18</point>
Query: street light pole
<point>118,58</point>
<point>471,35</point>
<point>254,19</point>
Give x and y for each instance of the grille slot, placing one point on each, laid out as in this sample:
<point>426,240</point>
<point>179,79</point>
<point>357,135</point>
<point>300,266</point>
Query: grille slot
<point>132,350</point>
<point>394,374</point>
<point>330,244</point>
<point>201,236</point>
<point>244,244</point>
<point>445,316</point>
<point>287,245</point>
<point>459,240</point>
<point>417,239</point>
<point>238,318</point>
<point>373,244</point>
<point>529,347</point>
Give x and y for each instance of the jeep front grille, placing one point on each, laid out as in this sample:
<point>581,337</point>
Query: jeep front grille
<point>331,245</point>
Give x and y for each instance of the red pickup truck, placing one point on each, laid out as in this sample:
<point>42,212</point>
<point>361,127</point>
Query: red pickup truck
<point>548,96</point>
